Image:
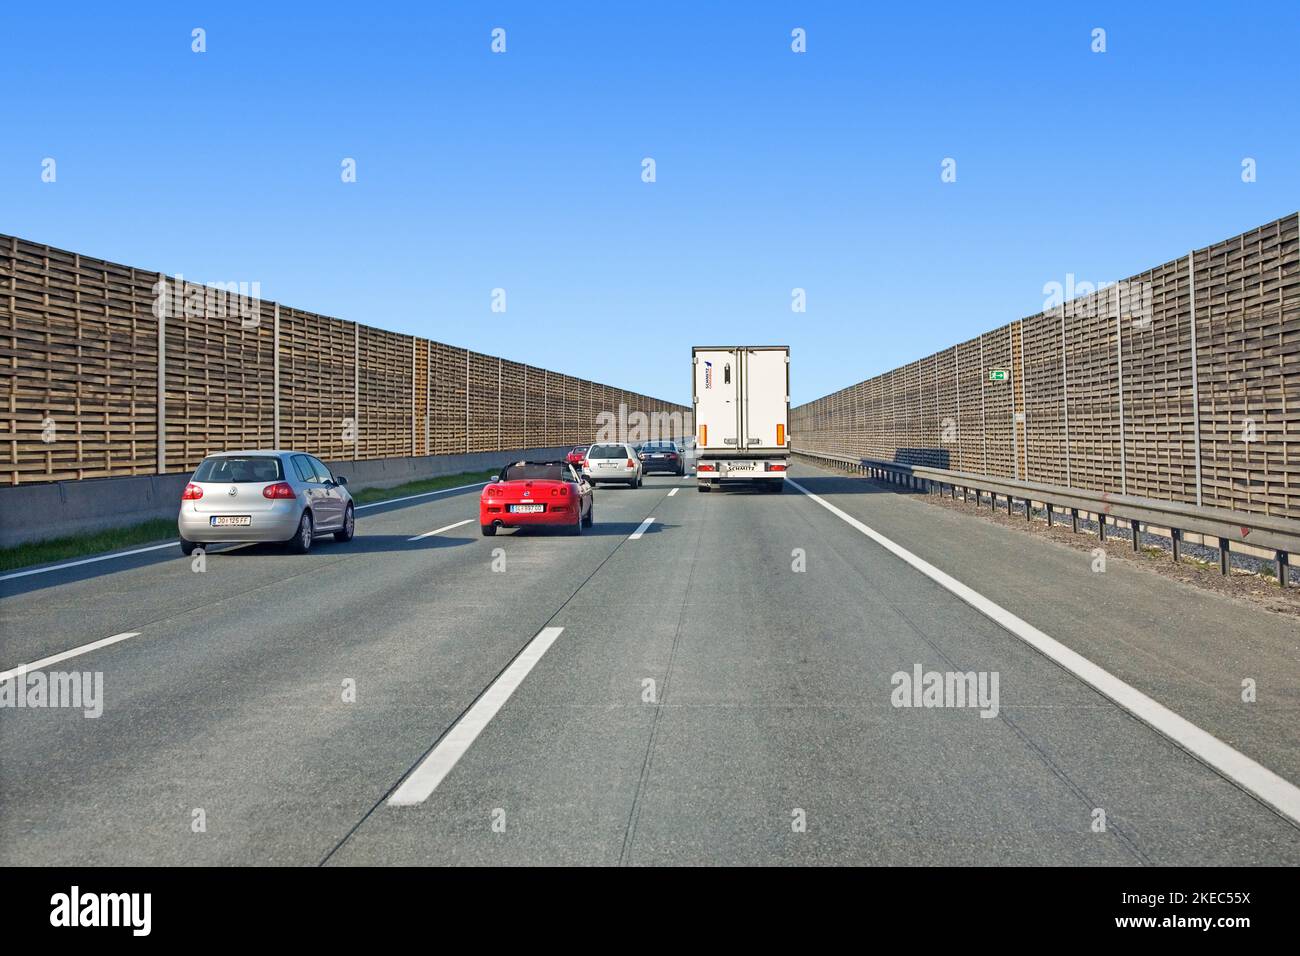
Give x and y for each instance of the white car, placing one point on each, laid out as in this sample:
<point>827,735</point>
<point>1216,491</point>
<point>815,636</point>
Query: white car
<point>612,462</point>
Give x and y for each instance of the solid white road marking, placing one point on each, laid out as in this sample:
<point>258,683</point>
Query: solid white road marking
<point>424,779</point>
<point>642,529</point>
<point>1278,793</point>
<point>429,534</point>
<point>55,658</point>
<point>118,554</point>
<point>73,564</point>
<point>423,494</point>
<point>673,492</point>
<point>172,544</point>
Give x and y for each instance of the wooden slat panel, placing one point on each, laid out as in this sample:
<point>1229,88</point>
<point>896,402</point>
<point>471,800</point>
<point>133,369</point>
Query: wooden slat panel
<point>1247,297</point>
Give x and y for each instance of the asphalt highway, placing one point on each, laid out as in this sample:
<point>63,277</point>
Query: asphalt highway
<point>715,687</point>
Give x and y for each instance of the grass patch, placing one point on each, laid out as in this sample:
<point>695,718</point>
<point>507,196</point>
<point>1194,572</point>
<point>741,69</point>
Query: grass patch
<point>372,496</point>
<point>164,529</point>
<point>85,545</point>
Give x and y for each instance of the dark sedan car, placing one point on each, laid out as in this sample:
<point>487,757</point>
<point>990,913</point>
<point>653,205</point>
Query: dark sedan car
<point>662,456</point>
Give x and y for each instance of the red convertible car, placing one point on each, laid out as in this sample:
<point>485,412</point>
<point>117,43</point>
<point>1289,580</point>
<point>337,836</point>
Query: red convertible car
<point>576,455</point>
<point>530,493</point>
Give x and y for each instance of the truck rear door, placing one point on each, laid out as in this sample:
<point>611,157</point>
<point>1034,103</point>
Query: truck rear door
<point>717,408</point>
<point>765,398</point>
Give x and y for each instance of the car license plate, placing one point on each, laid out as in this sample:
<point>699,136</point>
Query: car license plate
<point>608,464</point>
<point>231,521</point>
<point>526,509</point>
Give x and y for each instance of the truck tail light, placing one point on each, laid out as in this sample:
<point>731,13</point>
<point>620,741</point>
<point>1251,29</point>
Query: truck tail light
<point>281,489</point>
<point>192,492</point>
<point>772,466</point>
<point>780,435</point>
<point>704,434</point>
<point>703,467</point>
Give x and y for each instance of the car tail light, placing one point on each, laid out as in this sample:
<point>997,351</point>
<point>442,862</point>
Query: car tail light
<point>192,492</point>
<point>775,467</point>
<point>583,463</point>
<point>704,467</point>
<point>281,489</point>
<point>672,454</point>
<point>493,492</point>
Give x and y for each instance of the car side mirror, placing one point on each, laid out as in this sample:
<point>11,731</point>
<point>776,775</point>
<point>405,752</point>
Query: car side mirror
<point>341,481</point>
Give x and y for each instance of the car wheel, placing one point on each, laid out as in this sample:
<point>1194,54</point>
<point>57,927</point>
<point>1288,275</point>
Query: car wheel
<point>591,515</point>
<point>577,526</point>
<point>187,547</point>
<point>488,530</point>
<point>349,526</point>
<point>300,543</point>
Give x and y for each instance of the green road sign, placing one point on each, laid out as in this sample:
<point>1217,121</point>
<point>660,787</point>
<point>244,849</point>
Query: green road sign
<point>999,374</point>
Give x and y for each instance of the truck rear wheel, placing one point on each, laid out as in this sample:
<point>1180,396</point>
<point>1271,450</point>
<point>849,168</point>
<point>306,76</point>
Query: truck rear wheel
<point>703,486</point>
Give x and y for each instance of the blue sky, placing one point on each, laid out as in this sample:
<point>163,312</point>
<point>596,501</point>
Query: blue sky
<point>775,170</point>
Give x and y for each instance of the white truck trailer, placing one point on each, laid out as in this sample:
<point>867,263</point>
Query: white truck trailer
<point>741,395</point>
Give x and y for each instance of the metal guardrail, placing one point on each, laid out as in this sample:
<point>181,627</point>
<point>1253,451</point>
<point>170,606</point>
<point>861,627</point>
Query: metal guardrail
<point>1279,535</point>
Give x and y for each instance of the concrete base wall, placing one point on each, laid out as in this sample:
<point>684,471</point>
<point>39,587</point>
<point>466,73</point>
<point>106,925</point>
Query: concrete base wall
<point>60,509</point>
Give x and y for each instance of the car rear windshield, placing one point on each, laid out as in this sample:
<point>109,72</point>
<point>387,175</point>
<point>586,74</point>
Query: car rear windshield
<point>240,469</point>
<point>535,472</point>
<point>607,451</point>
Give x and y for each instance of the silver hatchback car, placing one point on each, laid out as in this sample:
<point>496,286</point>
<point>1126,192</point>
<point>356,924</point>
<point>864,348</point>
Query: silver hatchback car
<point>264,496</point>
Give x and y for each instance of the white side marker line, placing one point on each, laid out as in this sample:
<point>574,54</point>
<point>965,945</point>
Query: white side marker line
<point>1280,794</point>
<point>73,564</point>
<point>172,544</point>
<point>423,494</point>
<point>55,658</point>
<point>673,492</point>
<point>642,529</point>
<point>430,534</point>
<point>424,779</point>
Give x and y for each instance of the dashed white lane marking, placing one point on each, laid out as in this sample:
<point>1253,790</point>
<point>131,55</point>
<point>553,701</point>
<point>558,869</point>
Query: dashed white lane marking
<point>642,529</point>
<point>55,658</point>
<point>1282,795</point>
<point>424,779</point>
<point>430,534</point>
<point>673,492</point>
